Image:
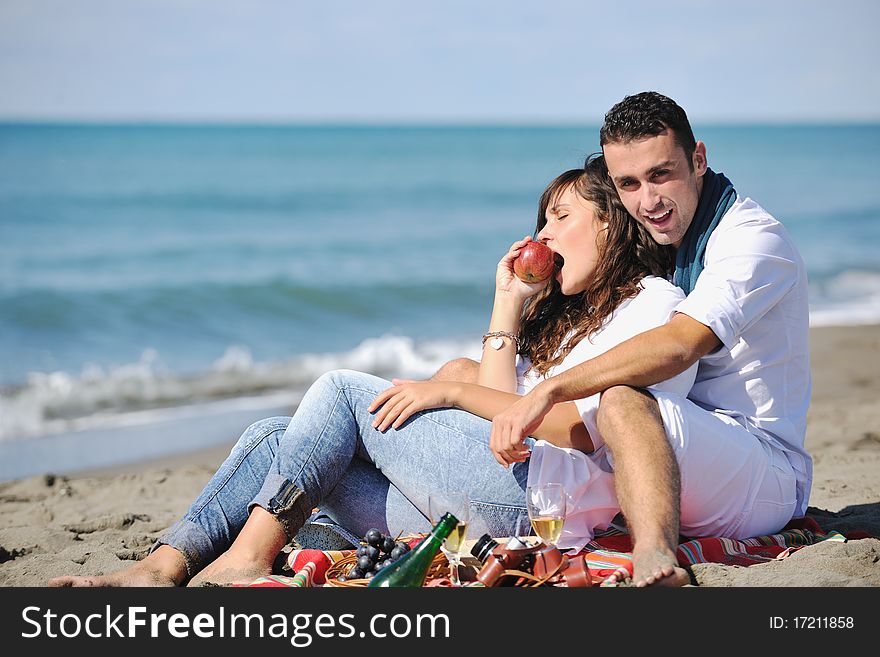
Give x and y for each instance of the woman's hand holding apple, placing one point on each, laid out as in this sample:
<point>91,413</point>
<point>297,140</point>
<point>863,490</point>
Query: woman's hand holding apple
<point>507,280</point>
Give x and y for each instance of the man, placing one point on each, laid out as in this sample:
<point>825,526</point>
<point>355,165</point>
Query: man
<point>728,460</point>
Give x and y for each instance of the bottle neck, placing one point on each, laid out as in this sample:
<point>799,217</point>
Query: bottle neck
<point>443,529</point>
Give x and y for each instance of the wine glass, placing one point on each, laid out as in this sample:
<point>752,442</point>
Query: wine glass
<point>546,505</point>
<point>458,504</point>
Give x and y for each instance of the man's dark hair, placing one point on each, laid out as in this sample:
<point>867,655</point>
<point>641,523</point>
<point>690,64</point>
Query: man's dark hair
<point>646,115</point>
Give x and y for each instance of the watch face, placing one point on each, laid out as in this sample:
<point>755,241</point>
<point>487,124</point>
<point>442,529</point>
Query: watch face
<point>497,343</point>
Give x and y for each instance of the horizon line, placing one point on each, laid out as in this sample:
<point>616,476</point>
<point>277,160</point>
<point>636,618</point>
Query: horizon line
<point>403,123</point>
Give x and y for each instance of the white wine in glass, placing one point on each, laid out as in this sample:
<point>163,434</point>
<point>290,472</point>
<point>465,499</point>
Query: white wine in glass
<point>453,542</point>
<point>546,505</point>
<point>549,528</point>
<point>458,504</point>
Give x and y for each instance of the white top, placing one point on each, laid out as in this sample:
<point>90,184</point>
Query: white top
<point>586,477</point>
<point>752,293</point>
<point>653,306</point>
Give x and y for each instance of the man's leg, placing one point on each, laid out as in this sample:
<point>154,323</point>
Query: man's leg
<point>733,484</point>
<point>646,480</point>
<point>462,370</point>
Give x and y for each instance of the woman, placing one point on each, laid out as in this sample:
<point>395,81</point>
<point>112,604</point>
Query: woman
<point>370,454</point>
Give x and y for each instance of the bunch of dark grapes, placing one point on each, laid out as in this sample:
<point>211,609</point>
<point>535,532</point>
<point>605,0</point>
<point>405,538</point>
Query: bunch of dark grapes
<point>377,552</point>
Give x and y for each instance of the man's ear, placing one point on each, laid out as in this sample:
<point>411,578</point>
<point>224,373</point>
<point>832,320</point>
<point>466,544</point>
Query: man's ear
<point>699,159</point>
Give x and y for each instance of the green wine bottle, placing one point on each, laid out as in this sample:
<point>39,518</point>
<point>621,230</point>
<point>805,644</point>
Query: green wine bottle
<point>411,569</point>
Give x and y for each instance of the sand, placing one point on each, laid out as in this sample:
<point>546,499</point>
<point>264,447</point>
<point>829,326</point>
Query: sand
<point>97,522</point>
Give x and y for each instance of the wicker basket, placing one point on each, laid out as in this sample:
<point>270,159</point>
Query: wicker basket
<point>439,567</point>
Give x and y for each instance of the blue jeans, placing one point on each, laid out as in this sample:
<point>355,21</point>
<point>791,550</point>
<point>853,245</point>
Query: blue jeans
<point>330,455</point>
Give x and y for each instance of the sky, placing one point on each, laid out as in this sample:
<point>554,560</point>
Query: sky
<point>454,61</point>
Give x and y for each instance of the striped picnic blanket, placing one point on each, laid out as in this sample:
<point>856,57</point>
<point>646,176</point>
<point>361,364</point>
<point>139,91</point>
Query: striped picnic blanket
<point>309,566</point>
<point>609,554</point>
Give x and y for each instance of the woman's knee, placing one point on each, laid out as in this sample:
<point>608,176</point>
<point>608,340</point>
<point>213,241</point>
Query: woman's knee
<point>340,379</point>
<point>261,430</point>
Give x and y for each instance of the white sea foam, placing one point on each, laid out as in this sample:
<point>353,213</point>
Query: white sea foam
<point>846,315</point>
<point>849,298</point>
<point>146,391</point>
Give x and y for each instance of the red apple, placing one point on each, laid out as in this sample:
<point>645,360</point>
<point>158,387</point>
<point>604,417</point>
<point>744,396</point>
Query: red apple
<point>534,263</point>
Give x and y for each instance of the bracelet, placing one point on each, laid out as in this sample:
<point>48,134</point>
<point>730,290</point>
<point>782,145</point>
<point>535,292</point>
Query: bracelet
<point>497,342</point>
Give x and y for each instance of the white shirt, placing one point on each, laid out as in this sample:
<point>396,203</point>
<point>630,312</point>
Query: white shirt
<point>752,293</point>
<point>587,478</point>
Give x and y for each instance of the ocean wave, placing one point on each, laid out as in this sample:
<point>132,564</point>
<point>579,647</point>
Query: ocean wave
<point>62,401</point>
<point>57,402</point>
<point>28,307</point>
<point>849,298</point>
<point>304,200</point>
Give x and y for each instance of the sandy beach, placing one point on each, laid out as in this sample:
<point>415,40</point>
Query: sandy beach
<point>97,522</point>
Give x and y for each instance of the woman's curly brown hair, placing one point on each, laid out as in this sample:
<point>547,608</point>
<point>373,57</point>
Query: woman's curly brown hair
<point>554,323</point>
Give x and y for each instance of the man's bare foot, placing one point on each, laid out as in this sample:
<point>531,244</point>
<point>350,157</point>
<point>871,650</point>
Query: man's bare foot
<point>231,568</point>
<point>657,568</point>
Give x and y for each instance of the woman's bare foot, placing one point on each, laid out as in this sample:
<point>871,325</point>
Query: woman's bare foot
<point>657,568</point>
<point>251,555</point>
<point>164,567</point>
<point>230,568</point>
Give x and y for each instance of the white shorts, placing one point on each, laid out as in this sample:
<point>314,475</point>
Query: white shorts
<point>733,484</point>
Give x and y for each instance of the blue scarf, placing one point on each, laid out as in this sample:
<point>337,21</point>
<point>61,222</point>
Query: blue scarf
<point>717,197</point>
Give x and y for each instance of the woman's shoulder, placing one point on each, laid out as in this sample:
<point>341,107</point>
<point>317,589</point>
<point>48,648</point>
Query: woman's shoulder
<point>656,285</point>
<point>654,304</point>
<point>656,293</point>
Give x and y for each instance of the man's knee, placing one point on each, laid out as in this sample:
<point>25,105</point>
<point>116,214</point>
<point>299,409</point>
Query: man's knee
<point>622,408</point>
<point>462,370</point>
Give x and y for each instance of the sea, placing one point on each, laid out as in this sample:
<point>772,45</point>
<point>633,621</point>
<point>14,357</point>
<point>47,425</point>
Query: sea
<point>162,286</point>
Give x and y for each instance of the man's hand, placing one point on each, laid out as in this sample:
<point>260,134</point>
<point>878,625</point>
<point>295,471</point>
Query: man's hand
<point>404,399</point>
<point>511,427</point>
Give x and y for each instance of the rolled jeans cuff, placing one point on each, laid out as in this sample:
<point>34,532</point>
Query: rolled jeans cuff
<point>286,501</point>
<point>192,542</point>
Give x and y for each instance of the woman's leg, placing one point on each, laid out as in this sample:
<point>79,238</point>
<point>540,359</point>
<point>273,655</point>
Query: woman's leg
<point>220,511</point>
<point>365,499</point>
<point>444,449</point>
<point>212,521</point>
<point>294,467</point>
<point>437,450</point>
